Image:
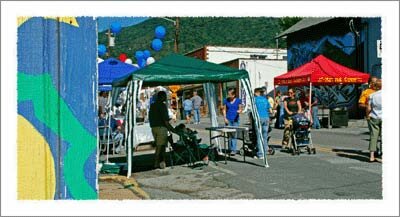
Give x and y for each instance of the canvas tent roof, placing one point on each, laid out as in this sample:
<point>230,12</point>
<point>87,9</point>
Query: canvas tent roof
<point>321,71</point>
<point>112,69</point>
<point>178,69</point>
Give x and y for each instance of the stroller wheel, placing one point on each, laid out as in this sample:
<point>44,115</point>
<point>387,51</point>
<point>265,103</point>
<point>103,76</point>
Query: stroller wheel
<point>271,151</point>
<point>308,150</point>
<point>241,151</point>
<point>314,151</point>
<point>293,151</point>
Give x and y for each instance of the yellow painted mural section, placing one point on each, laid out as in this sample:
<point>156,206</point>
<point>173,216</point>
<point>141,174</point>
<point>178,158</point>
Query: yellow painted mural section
<point>36,173</point>
<point>69,20</point>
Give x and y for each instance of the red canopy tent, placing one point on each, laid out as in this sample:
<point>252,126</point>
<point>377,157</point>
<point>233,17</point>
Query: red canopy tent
<point>321,71</point>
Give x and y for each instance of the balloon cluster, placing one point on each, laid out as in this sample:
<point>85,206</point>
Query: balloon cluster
<point>157,44</point>
<point>144,57</point>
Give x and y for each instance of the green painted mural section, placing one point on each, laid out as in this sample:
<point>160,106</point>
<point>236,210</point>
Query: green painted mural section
<point>48,108</point>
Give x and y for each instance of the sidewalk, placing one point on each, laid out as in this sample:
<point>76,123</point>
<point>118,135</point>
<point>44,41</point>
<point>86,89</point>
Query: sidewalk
<point>355,126</point>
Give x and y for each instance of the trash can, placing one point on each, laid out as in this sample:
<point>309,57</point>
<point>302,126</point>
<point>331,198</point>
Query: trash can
<point>339,117</point>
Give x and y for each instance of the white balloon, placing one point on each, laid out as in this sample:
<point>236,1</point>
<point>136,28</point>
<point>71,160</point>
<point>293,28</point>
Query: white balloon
<point>128,61</point>
<point>150,60</point>
<point>99,60</point>
<point>136,65</point>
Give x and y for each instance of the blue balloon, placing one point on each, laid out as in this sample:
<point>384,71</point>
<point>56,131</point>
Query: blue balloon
<point>142,63</point>
<point>160,32</point>
<point>156,44</point>
<point>139,55</point>
<point>116,27</point>
<point>101,49</point>
<point>147,54</point>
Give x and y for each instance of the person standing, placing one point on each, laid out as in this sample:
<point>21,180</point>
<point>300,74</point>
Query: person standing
<point>280,111</point>
<point>292,106</point>
<point>314,111</point>
<point>103,100</point>
<point>159,123</point>
<point>143,107</point>
<point>197,100</point>
<point>231,110</point>
<point>363,101</point>
<point>264,109</point>
<point>374,116</point>
<point>271,102</point>
<point>188,107</point>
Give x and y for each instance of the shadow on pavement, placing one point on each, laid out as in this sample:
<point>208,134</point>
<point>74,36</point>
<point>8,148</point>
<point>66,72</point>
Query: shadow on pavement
<point>352,154</point>
<point>145,162</point>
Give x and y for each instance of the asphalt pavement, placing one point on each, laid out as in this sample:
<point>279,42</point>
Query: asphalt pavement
<point>339,170</point>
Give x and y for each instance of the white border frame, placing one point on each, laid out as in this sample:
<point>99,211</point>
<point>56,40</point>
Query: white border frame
<point>390,56</point>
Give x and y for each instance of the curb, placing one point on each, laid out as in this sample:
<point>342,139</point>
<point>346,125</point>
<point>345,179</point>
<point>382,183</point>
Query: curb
<point>341,131</point>
<point>127,183</point>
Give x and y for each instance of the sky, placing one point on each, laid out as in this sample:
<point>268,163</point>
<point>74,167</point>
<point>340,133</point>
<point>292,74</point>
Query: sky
<point>105,22</point>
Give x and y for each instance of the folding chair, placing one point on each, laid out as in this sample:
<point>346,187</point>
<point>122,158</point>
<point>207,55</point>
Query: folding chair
<point>181,151</point>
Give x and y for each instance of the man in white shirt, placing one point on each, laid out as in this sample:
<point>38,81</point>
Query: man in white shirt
<point>374,114</point>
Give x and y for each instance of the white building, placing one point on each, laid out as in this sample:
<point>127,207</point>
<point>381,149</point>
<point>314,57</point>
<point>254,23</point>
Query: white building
<point>263,64</point>
<point>219,54</point>
<point>261,72</point>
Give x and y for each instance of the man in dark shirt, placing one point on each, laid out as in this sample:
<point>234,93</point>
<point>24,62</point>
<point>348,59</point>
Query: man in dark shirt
<point>159,123</point>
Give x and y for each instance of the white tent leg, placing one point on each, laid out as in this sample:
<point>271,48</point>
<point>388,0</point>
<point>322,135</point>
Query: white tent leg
<point>211,98</point>
<point>129,128</point>
<point>309,98</point>
<point>108,127</point>
<point>247,87</point>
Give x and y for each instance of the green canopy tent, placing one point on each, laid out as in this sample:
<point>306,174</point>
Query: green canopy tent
<point>177,69</point>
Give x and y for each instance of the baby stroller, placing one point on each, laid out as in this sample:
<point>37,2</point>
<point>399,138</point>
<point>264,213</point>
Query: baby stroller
<point>301,134</point>
<point>250,144</point>
<point>186,149</point>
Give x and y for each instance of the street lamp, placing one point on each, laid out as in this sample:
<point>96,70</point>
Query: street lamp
<point>111,41</point>
<point>176,24</point>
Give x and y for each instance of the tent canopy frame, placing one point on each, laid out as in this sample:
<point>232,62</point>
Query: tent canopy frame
<point>176,70</point>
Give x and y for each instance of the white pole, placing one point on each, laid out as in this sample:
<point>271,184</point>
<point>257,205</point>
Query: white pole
<point>309,97</point>
<point>108,128</point>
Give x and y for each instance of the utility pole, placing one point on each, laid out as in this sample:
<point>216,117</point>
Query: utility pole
<point>277,46</point>
<point>109,39</point>
<point>176,35</point>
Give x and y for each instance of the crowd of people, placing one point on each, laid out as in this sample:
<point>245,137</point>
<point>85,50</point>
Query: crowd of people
<point>191,105</point>
<point>111,128</point>
<point>281,109</point>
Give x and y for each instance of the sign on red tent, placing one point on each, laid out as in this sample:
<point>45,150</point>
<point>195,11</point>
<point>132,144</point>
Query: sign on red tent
<point>321,71</point>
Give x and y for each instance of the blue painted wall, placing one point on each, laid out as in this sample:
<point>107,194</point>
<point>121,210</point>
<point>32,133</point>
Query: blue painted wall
<point>337,41</point>
<point>57,85</point>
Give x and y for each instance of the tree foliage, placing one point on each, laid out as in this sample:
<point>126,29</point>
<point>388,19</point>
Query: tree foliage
<point>196,32</point>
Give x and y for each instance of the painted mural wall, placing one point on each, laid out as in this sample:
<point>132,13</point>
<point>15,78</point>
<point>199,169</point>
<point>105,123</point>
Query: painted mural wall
<point>57,125</point>
<point>338,43</point>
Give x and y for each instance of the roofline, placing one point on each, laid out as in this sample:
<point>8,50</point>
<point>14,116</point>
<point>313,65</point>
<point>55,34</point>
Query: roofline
<point>237,59</point>
<point>288,31</point>
<point>197,49</point>
<point>206,46</point>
